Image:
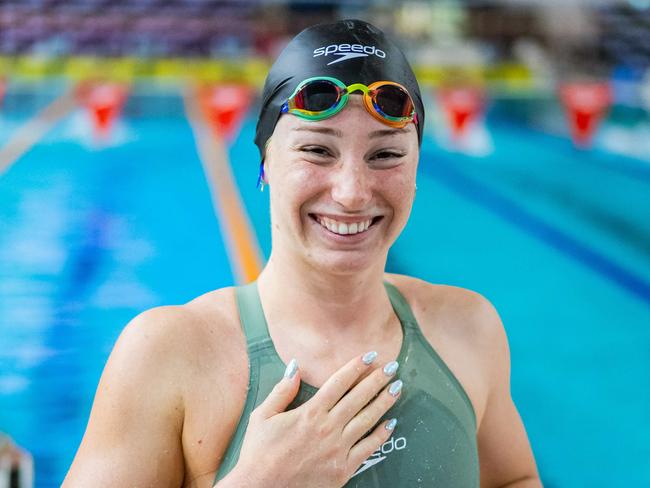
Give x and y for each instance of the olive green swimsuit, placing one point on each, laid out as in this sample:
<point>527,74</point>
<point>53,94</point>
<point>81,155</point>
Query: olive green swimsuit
<point>434,443</point>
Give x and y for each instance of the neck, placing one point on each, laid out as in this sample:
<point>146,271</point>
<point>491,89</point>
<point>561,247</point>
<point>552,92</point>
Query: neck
<point>353,306</point>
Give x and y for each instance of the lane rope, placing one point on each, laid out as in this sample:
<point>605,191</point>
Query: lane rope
<point>27,135</point>
<point>241,242</point>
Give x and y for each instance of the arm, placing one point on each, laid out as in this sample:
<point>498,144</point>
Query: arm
<point>506,458</point>
<point>133,436</point>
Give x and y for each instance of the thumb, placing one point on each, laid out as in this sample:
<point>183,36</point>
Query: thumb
<point>283,392</point>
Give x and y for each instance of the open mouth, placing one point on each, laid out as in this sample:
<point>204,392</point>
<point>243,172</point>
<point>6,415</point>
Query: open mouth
<point>345,228</point>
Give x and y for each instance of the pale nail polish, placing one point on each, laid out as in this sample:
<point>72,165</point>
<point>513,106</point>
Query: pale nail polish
<point>390,368</point>
<point>395,387</point>
<point>369,357</point>
<point>292,367</point>
<point>391,424</point>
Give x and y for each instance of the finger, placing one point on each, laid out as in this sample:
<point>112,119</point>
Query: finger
<point>370,415</point>
<point>282,394</point>
<point>363,449</point>
<point>362,393</point>
<point>340,382</point>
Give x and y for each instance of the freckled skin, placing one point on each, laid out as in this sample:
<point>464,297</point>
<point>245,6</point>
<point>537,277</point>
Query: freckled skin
<point>354,178</point>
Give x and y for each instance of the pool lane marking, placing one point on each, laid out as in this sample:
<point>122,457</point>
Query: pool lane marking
<point>241,242</point>
<point>34,129</point>
<point>510,211</point>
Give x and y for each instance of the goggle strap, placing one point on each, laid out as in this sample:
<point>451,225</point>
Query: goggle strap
<point>260,177</point>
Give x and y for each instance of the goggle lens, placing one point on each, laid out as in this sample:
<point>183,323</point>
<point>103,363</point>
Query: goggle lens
<point>317,96</point>
<point>393,101</point>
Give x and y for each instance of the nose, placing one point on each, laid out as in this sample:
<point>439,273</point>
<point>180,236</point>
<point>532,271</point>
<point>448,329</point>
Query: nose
<point>351,185</point>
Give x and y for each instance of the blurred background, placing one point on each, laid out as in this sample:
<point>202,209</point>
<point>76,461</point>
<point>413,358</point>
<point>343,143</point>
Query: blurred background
<point>126,140</point>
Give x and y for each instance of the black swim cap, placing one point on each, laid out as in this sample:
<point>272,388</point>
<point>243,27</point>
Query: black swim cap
<point>333,50</point>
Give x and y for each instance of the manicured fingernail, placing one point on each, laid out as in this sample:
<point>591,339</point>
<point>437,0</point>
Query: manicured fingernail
<point>395,387</point>
<point>391,424</point>
<point>292,367</point>
<point>369,357</point>
<point>390,368</point>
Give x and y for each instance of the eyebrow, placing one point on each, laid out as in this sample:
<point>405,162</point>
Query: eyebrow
<point>388,132</point>
<point>319,130</point>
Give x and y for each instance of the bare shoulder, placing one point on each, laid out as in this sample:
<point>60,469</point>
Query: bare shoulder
<point>174,335</point>
<point>467,310</point>
<point>196,343</point>
<point>463,327</point>
<point>146,391</point>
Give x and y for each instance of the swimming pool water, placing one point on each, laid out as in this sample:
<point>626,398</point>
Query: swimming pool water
<point>557,239</point>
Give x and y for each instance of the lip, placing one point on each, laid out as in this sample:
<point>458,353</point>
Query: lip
<point>348,238</point>
<point>346,219</point>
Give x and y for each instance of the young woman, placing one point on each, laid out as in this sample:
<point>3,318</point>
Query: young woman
<point>325,372</point>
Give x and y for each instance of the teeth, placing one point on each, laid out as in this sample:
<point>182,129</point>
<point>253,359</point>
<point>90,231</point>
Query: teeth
<point>342,228</point>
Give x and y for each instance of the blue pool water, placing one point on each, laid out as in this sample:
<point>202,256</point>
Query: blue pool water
<point>557,239</point>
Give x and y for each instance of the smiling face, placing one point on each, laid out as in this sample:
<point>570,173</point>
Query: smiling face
<point>341,188</point>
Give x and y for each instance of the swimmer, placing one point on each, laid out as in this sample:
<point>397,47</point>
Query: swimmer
<point>326,371</point>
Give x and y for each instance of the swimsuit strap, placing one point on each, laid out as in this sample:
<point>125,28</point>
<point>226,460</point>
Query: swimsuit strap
<point>251,313</point>
<point>400,305</point>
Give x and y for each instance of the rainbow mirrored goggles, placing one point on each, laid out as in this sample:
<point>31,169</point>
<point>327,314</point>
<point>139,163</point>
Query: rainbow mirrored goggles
<point>322,97</point>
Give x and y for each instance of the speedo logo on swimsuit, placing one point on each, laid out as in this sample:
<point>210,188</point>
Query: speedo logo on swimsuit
<point>348,51</point>
<point>382,453</point>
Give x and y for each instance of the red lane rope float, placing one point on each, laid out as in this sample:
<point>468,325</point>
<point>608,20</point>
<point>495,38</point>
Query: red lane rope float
<point>224,106</point>
<point>462,106</point>
<point>104,102</point>
<point>585,104</point>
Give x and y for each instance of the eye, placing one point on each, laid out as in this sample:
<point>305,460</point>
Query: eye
<point>387,155</point>
<point>386,158</point>
<point>316,150</point>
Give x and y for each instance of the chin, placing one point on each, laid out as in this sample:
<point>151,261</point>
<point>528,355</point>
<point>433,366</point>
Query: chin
<point>345,263</point>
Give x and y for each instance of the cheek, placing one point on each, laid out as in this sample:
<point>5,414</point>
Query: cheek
<point>300,189</point>
<point>398,187</point>
<point>296,185</point>
<point>304,178</point>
